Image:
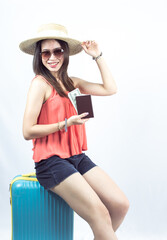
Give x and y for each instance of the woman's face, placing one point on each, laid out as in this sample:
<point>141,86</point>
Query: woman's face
<point>52,63</point>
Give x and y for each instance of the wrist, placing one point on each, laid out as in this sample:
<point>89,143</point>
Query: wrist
<point>61,125</point>
<point>97,57</point>
<point>69,123</point>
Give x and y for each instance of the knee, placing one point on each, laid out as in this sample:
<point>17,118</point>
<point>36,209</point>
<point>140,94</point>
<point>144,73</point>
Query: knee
<point>123,207</point>
<point>99,213</point>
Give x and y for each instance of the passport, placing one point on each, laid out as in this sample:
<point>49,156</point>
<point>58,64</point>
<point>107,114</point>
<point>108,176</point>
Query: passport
<point>84,104</point>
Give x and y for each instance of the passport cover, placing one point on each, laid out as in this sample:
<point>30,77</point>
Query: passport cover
<point>84,104</point>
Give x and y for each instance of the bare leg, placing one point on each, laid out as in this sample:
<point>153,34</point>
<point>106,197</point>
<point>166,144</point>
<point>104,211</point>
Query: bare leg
<point>109,193</point>
<point>83,200</point>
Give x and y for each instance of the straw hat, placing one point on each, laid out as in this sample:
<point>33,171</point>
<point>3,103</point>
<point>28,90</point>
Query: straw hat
<point>51,31</point>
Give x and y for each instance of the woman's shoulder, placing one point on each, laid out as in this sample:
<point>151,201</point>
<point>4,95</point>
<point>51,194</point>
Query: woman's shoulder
<point>40,81</point>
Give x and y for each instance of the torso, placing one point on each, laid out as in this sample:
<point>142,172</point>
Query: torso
<point>61,143</point>
<point>48,91</point>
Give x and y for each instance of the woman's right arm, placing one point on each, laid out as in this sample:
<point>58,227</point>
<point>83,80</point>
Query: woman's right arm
<point>35,99</point>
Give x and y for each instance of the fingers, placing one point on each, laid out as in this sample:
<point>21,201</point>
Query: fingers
<point>82,121</point>
<point>83,115</point>
<point>82,118</point>
<point>77,119</point>
<point>84,47</point>
<point>85,120</point>
<point>87,44</point>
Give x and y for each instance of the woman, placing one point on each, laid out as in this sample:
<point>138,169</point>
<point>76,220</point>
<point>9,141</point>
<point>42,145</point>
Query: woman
<point>58,133</point>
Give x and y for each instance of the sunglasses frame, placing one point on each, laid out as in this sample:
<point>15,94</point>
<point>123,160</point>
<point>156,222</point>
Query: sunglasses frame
<point>58,55</point>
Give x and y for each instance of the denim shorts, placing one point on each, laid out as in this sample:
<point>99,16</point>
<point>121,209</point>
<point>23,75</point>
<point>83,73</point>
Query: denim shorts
<point>52,171</point>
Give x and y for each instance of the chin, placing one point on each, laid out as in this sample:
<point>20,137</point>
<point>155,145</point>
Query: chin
<point>55,70</point>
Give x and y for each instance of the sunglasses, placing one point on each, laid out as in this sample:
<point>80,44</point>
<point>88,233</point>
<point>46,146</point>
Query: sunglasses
<point>57,52</point>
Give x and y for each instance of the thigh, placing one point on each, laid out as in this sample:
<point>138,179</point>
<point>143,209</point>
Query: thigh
<point>107,190</point>
<point>79,195</point>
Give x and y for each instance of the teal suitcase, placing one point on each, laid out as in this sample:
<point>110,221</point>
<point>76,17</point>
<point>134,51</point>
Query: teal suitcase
<point>38,214</point>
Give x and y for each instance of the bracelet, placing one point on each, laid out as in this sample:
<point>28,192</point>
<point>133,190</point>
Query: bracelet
<point>65,124</point>
<point>96,58</point>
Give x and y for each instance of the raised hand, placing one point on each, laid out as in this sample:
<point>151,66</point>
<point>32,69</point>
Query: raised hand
<point>91,48</point>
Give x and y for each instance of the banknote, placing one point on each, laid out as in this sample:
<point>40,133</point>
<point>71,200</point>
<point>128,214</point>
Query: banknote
<point>72,96</point>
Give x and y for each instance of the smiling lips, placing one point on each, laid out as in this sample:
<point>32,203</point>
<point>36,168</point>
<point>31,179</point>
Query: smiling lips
<point>53,64</point>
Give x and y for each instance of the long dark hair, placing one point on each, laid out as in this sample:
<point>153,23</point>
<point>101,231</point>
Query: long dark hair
<point>40,69</point>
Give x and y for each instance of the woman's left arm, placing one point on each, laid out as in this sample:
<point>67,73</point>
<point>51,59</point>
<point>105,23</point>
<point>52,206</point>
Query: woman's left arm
<point>108,86</point>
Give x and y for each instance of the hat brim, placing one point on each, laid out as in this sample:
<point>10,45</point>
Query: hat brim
<point>28,46</point>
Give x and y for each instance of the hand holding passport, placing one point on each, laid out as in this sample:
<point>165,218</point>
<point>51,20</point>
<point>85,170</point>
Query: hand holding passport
<point>82,103</point>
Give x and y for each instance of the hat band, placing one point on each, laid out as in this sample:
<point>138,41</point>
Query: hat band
<point>52,33</point>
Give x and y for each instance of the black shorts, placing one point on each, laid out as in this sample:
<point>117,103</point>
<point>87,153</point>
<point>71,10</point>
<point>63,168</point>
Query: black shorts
<point>54,170</point>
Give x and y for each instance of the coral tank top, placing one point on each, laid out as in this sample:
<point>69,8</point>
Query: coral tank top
<point>60,143</point>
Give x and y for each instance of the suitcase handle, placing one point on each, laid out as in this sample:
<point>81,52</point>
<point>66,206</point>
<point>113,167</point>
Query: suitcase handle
<point>29,175</point>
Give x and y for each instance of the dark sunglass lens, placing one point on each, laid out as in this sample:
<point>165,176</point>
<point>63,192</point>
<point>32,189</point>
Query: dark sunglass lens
<point>58,52</point>
<point>46,54</point>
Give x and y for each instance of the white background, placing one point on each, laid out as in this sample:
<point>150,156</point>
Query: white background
<point>127,137</point>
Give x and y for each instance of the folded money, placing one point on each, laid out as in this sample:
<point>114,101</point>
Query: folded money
<point>72,96</point>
